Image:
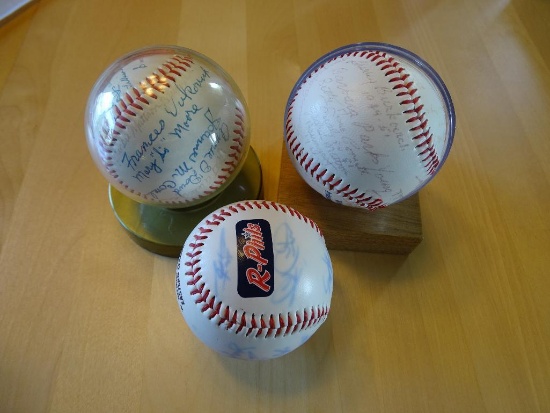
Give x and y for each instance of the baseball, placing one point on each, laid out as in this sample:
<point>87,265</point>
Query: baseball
<point>167,126</point>
<point>254,280</point>
<point>368,125</point>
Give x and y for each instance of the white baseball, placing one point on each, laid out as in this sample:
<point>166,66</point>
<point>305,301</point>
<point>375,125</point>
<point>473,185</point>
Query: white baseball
<point>254,280</point>
<point>367,128</point>
<point>167,127</point>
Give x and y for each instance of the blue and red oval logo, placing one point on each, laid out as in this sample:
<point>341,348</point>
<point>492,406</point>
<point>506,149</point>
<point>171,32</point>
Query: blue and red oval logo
<point>255,258</point>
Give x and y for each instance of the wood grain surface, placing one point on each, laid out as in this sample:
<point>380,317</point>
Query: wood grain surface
<point>89,321</point>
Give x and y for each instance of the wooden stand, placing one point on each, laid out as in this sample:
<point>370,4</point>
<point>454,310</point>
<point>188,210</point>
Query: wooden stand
<point>396,229</point>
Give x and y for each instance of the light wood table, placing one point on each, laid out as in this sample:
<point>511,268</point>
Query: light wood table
<point>89,321</point>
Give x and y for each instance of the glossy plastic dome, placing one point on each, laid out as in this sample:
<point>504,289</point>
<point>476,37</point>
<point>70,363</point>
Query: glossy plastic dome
<point>167,126</point>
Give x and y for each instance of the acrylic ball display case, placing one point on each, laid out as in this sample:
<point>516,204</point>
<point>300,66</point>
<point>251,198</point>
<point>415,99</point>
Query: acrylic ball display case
<point>170,131</point>
<point>366,127</point>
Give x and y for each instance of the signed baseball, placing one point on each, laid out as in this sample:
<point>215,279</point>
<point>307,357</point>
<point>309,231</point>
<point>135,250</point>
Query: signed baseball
<point>254,280</point>
<point>167,126</point>
<point>368,125</point>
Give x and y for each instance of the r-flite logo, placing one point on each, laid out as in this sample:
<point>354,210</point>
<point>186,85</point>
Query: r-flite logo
<point>255,258</point>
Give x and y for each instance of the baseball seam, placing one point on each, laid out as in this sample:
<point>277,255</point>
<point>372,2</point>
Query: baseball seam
<point>410,100</point>
<point>251,325</point>
<point>134,101</point>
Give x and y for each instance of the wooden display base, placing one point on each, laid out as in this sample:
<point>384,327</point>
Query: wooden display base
<point>396,229</point>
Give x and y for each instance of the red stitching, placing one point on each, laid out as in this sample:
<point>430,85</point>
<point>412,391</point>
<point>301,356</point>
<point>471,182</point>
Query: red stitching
<point>129,100</point>
<point>236,147</point>
<point>255,325</point>
<point>403,88</point>
<point>134,99</point>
